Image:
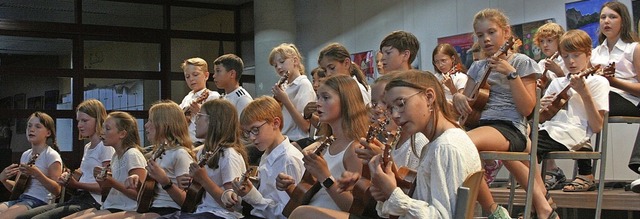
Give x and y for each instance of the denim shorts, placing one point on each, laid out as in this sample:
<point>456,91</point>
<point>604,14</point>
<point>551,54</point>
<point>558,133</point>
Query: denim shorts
<point>26,200</point>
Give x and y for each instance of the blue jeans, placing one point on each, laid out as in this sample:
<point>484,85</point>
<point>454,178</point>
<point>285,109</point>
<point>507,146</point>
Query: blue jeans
<point>26,200</point>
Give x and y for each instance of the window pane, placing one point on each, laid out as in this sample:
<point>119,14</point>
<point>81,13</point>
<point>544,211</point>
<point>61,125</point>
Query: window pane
<point>110,55</point>
<point>202,19</point>
<point>209,50</point>
<point>182,49</point>
<point>121,14</point>
<point>49,93</point>
<point>123,94</point>
<point>46,10</point>
<point>64,134</point>
<point>31,52</point>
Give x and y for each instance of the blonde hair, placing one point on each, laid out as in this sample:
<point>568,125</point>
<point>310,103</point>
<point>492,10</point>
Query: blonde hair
<point>96,110</point>
<point>287,50</point>
<point>49,124</point>
<point>171,125</point>
<point>223,130</point>
<point>493,15</point>
<point>352,110</point>
<point>197,61</point>
<point>125,122</point>
<point>263,108</point>
<point>548,30</point>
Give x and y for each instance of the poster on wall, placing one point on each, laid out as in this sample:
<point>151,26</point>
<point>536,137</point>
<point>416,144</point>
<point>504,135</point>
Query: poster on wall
<point>584,15</point>
<point>462,43</point>
<point>365,61</point>
<point>525,32</point>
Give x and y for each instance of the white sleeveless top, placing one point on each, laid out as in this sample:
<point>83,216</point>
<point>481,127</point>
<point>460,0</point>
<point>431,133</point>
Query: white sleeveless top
<point>336,167</point>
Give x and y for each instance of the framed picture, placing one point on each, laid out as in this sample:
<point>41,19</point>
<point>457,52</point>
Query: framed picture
<point>365,61</point>
<point>51,99</point>
<point>525,33</point>
<point>36,103</point>
<point>462,43</point>
<point>6,102</point>
<point>584,15</point>
<point>19,101</point>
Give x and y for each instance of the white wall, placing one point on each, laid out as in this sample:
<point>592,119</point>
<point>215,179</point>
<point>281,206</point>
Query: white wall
<point>361,24</point>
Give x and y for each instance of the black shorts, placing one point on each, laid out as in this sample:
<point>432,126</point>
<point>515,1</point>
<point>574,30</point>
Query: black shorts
<point>517,141</point>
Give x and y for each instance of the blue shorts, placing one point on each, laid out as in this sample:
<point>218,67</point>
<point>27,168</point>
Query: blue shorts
<point>26,200</point>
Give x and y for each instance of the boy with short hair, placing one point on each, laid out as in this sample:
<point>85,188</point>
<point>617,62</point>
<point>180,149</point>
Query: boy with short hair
<point>196,74</point>
<point>570,129</point>
<point>261,122</point>
<point>227,72</point>
<point>399,49</point>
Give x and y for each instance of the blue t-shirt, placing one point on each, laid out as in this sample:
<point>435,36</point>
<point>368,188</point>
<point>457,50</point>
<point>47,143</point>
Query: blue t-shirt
<point>501,105</point>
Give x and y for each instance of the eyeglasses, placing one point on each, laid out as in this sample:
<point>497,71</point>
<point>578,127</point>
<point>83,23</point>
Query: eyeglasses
<point>399,104</point>
<point>198,115</point>
<point>254,131</point>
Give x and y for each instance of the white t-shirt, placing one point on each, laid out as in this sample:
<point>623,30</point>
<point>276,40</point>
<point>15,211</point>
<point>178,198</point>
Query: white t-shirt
<point>365,91</point>
<point>622,55</point>
<point>94,157</point>
<point>459,81</point>
<point>186,102</point>
<point>230,166</point>
<point>120,168</point>
<point>445,164</point>
<point>570,126</point>
<point>175,162</point>
<point>550,74</point>
<point>47,157</point>
<point>300,92</point>
<point>405,156</point>
<point>268,202</point>
<point>240,98</point>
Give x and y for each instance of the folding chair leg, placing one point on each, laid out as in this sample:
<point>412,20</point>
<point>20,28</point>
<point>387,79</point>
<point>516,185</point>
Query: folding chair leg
<point>512,193</point>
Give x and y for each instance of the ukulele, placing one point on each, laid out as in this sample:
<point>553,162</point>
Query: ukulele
<point>479,92</point>
<point>308,185</point>
<point>187,110</point>
<point>147,191</point>
<point>405,176</point>
<point>281,82</point>
<point>76,174</point>
<point>104,190</point>
<point>363,202</point>
<point>22,180</point>
<point>195,190</point>
<point>544,80</point>
<point>561,98</point>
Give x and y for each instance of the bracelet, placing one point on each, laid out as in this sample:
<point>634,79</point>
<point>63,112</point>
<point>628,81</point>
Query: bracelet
<point>168,186</point>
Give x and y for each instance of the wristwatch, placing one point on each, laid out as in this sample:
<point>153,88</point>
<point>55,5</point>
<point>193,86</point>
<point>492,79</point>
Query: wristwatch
<point>168,186</point>
<point>327,183</point>
<point>512,75</point>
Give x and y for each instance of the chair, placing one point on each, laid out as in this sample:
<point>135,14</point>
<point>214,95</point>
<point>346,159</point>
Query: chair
<point>521,156</point>
<point>599,153</point>
<point>467,195</point>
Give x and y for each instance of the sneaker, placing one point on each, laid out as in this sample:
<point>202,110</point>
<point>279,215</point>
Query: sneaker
<point>490,172</point>
<point>635,186</point>
<point>499,213</point>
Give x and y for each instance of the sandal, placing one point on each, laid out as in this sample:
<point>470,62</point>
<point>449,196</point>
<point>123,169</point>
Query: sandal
<point>554,179</point>
<point>553,204</point>
<point>580,184</point>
